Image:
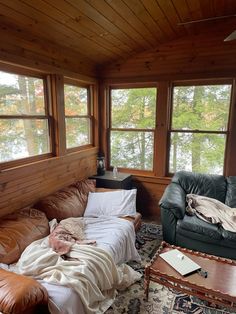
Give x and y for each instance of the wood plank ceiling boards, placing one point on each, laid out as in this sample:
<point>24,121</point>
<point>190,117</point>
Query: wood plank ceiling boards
<point>99,32</point>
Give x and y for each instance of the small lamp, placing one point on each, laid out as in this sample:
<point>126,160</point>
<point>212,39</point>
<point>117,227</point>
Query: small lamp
<point>101,164</point>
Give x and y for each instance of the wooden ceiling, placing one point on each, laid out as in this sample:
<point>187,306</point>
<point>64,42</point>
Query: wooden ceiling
<point>102,31</point>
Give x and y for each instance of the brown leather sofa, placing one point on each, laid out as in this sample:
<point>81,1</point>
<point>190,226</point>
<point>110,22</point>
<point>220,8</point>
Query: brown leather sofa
<point>20,294</point>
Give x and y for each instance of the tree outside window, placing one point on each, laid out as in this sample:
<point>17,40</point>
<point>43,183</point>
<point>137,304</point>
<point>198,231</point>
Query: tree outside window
<point>133,116</point>
<point>23,120</point>
<point>199,128</point>
<point>77,116</point>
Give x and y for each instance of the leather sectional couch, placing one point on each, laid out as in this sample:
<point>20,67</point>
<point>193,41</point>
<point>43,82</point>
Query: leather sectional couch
<point>24,295</point>
<point>190,231</point>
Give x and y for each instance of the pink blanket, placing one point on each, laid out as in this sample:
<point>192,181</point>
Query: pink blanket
<point>66,233</point>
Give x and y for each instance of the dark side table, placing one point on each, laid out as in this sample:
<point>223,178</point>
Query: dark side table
<point>122,181</point>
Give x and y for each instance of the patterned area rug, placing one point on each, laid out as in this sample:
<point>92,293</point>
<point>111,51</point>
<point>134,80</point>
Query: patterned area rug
<point>161,299</point>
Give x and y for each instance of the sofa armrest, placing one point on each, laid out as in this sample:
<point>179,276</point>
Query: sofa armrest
<point>174,199</point>
<point>169,222</point>
<point>20,293</point>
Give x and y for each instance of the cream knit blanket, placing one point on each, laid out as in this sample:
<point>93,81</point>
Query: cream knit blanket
<point>90,271</point>
<point>212,210</point>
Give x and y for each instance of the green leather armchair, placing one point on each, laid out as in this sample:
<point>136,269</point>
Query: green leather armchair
<point>190,231</point>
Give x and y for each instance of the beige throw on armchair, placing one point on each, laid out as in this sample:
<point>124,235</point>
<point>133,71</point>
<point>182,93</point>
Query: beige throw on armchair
<point>212,211</point>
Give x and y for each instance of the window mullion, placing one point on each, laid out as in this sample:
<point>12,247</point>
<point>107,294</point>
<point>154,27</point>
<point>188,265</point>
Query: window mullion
<point>161,131</point>
<point>57,88</point>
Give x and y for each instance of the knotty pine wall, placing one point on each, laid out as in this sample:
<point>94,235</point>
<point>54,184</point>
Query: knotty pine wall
<point>195,57</point>
<point>24,185</point>
<point>149,192</point>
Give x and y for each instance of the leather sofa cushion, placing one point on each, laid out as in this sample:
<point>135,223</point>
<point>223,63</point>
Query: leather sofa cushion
<point>195,228</point>
<point>202,184</point>
<point>18,230</point>
<point>68,202</point>
<point>19,293</point>
<point>231,192</point>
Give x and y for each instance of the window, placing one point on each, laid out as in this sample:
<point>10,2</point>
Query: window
<point>77,116</point>
<point>132,121</point>
<point>199,128</point>
<point>24,121</point>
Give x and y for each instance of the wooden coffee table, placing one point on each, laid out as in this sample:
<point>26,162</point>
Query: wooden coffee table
<point>218,288</point>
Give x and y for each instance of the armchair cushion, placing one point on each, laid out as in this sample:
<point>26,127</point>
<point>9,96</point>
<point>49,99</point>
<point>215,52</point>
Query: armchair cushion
<point>200,228</point>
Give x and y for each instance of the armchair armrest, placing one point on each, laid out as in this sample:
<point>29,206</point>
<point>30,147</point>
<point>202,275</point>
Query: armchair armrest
<point>174,199</point>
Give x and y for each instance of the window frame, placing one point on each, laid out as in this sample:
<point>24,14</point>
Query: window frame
<point>200,82</point>
<point>110,129</point>
<point>17,70</point>
<point>90,112</point>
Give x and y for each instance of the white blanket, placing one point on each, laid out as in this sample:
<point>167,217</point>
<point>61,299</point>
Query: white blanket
<point>114,235</point>
<point>91,272</point>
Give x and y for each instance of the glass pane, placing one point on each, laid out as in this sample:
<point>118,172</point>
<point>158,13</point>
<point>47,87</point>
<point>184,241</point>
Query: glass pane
<point>201,107</point>
<point>132,149</point>
<point>21,95</point>
<point>77,132</point>
<point>76,100</point>
<point>197,152</point>
<point>133,108</point>
<point>20,138</point>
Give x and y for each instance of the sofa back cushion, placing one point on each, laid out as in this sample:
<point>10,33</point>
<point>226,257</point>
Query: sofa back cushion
<point>231,192</point>
<point>68,202</point>
<point>18,230</point>
<point>209,185</point>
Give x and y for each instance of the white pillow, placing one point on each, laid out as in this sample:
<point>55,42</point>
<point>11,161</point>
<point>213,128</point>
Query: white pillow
<point>114,203</point>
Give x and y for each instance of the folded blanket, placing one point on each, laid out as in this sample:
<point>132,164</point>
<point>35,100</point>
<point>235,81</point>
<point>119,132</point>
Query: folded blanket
<point>212,211</point>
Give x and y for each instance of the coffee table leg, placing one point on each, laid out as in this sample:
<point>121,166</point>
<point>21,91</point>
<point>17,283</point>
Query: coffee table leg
<point>146,282</point>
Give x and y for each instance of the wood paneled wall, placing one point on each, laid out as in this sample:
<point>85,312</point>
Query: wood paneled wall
<point>149,192</point>
<point>24,185</point>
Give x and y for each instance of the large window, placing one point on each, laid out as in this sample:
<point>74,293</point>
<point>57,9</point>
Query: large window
<point>77,115</point>
<point>199,128</point>
<point>132,125</point>
<point>24,121</point>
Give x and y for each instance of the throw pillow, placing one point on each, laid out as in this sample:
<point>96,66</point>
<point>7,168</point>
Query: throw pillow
<point>116,203</point>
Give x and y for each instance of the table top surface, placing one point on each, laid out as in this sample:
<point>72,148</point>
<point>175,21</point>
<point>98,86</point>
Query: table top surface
<point>109,176</point>
<point>221,277</point>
